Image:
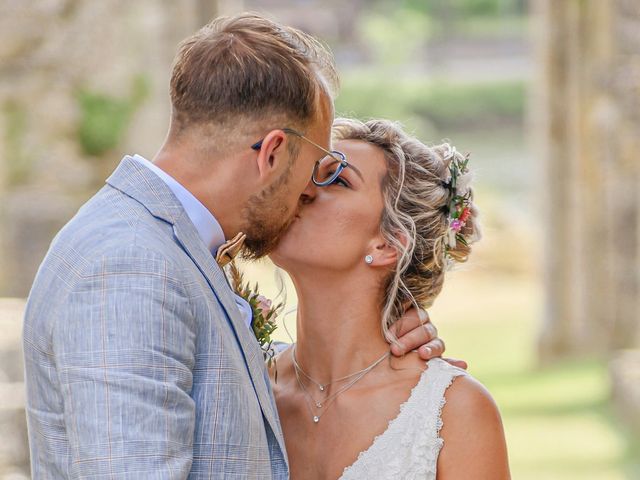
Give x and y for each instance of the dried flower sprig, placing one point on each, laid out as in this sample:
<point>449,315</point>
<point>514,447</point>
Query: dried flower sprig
<point>264,313</point>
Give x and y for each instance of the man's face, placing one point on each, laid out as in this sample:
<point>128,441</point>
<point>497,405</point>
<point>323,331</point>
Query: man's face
<point>269,214</point>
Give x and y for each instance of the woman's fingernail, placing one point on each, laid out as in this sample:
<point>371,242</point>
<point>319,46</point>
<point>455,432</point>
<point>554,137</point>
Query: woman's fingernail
<point>428,350</point>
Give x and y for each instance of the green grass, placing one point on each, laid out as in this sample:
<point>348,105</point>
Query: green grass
<point>557,419</point>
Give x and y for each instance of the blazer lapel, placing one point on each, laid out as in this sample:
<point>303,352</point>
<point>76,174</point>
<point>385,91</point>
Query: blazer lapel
<point>137,181</point>
<point>246,339</point>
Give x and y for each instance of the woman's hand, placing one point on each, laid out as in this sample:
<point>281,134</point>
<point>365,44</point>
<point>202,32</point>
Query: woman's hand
<point>416,332</point>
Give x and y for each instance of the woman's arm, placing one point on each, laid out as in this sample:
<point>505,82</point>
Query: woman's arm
<point>474,441</point>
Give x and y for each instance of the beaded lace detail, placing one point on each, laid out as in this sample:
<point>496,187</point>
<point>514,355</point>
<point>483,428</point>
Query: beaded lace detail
<point>409,447</point>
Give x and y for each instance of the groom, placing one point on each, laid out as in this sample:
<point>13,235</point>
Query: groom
<point>140,361</point>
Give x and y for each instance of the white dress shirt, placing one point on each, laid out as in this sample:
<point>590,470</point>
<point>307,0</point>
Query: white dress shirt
<point>206,224</point>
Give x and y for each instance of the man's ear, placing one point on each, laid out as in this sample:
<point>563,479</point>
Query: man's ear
<point>272,153</point>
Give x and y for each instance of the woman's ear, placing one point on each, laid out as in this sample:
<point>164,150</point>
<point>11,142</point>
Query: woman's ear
<point>383,254</point>
<point>272,153</point>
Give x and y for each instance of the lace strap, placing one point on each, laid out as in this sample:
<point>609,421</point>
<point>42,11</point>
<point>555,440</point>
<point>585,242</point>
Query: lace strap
<point>437,379</point>
<point>409,448</point>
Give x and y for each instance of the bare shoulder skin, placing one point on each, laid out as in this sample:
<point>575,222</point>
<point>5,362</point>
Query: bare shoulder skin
<point>474,440</point>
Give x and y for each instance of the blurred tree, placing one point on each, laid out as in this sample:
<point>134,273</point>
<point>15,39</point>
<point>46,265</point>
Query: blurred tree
<point>395,37</point>
<point>588,111</point>
<point>105,119</point>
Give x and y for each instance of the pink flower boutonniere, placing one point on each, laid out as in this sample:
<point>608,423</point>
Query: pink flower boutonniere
<point>264,313</point>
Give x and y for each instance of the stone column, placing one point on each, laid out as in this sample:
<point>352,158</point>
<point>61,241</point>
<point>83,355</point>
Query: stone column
<point>624,84</point>
<point>555,92</point>
<point>588,131</point>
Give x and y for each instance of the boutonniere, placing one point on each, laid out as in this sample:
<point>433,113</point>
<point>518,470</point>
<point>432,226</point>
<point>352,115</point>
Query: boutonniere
<point>264,312</point>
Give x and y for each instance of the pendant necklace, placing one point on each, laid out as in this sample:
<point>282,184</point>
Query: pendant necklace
<point>326,402</point>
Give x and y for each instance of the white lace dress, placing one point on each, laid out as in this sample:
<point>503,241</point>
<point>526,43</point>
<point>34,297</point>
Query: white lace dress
<point>409,447</point>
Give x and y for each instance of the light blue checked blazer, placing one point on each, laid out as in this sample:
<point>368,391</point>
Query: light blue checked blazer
<point>138,362</point>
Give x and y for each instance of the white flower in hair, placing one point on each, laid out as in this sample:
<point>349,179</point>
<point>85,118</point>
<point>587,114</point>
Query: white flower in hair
<point>463,182</point>
<point>450,238</point>
<point>450,153</point>
<point>447,177</point>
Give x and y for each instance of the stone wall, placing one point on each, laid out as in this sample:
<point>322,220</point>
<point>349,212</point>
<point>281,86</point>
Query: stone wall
<point>56,58</point>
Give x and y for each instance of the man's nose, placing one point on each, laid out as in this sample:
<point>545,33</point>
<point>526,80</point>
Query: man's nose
<point>309,193</point>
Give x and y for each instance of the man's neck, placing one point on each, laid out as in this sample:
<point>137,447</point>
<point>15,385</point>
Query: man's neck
<point>214,188</point>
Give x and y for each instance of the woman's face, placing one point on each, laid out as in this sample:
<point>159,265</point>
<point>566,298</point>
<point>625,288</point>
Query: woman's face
<point>341,224</point>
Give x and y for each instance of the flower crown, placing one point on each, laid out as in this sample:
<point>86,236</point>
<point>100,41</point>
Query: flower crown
<point>458,207</point>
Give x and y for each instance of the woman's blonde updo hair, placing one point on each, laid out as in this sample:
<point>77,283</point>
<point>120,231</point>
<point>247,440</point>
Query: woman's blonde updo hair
<point>415,216</point>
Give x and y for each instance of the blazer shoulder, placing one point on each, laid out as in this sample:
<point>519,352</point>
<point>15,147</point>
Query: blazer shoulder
<point>118,232</point>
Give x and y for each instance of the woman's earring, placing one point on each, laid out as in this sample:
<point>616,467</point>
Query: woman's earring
<point>368,259</point>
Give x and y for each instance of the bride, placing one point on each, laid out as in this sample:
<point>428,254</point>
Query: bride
<point>378,238</point>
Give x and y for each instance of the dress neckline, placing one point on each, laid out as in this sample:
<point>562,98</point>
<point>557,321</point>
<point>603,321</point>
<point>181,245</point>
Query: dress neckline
<point>394,421</point>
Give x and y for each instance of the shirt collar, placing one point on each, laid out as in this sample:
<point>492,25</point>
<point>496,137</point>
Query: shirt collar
<point>206,224</point>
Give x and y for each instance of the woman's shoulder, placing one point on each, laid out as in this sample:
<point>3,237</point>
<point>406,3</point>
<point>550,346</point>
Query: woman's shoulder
<point>435,376</point>
<point>471,423</point>
<point>465,396</point>
<point>453,397</point>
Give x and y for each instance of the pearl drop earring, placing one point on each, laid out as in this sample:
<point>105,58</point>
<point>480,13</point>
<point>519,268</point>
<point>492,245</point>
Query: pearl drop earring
<point>368,259</point>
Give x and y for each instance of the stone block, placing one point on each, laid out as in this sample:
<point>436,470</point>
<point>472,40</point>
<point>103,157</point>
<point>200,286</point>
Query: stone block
<point>624,370</point>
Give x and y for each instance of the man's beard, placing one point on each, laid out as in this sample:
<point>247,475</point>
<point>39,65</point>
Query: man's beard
<point>264,214</point>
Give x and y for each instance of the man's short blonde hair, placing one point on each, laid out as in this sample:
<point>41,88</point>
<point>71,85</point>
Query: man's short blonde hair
<point>248,66</point>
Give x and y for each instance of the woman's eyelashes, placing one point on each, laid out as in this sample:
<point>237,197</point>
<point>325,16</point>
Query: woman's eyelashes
<point>341,181</point>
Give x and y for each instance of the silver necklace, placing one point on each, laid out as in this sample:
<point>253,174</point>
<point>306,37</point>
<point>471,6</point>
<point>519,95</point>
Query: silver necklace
<point>326,403</point>
<point>322,386</point>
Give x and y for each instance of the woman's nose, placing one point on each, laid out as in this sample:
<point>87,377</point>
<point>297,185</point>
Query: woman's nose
<point>309,193</point>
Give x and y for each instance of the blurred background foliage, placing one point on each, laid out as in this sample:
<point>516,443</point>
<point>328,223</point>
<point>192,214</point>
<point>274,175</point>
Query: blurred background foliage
<point>105,119</point>
<point>432,107</point>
